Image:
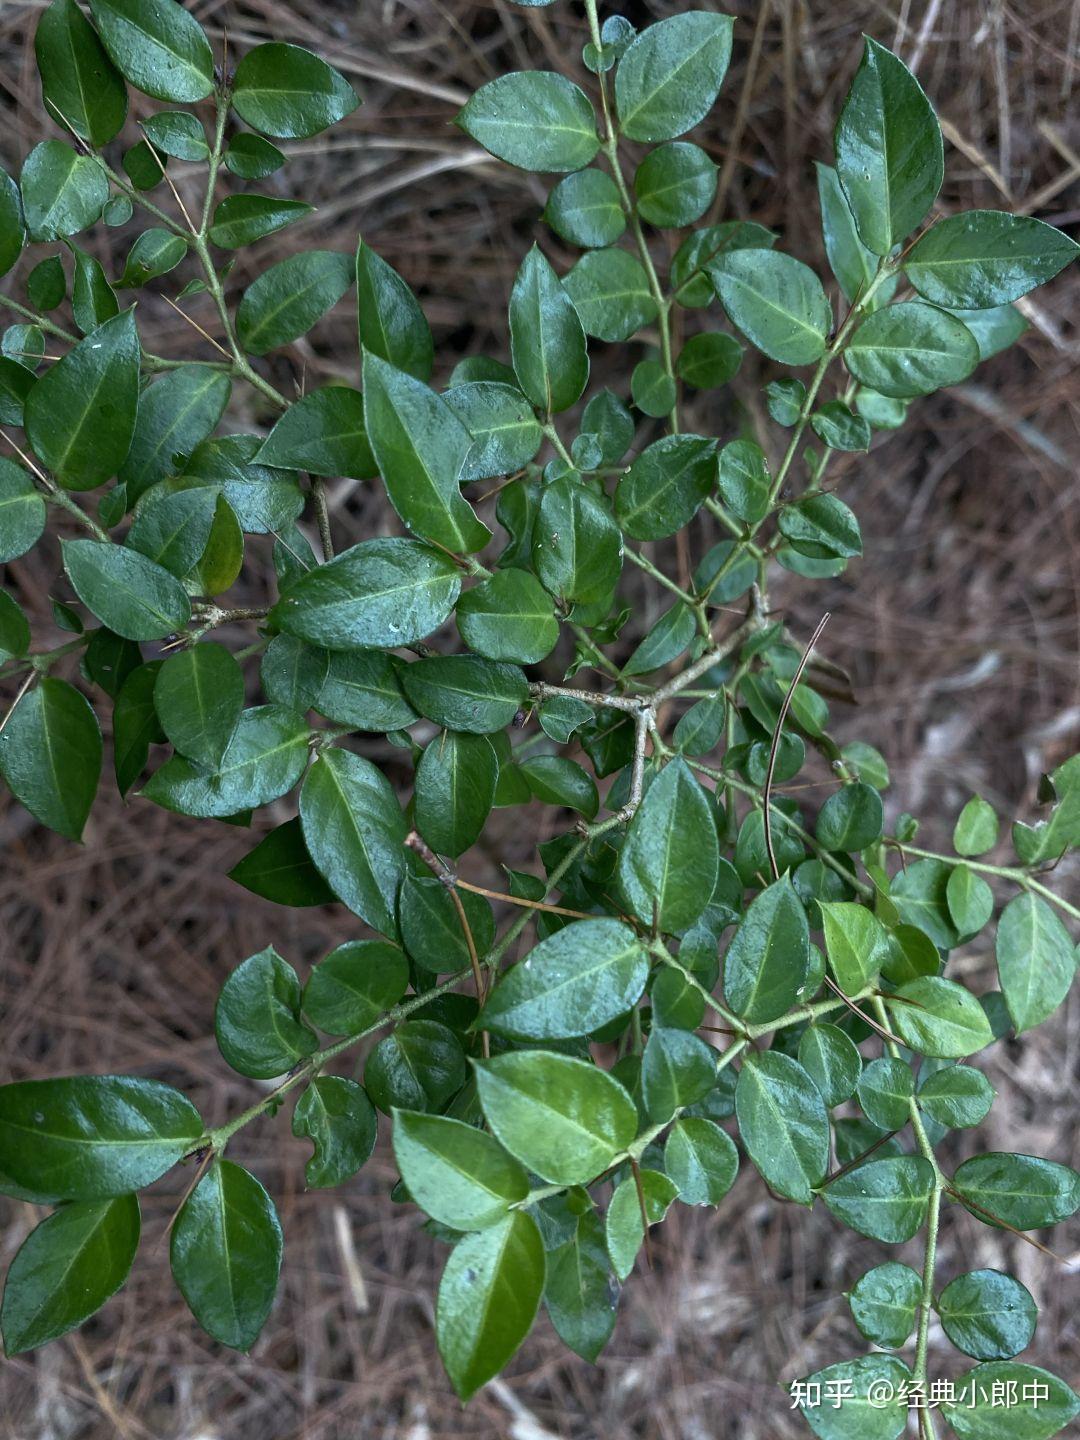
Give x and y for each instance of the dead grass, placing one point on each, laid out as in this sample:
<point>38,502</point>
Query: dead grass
<point>960,633</point>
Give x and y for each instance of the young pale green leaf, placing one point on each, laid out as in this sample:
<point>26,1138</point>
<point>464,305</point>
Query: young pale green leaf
<point>977,828</point>
<point>534,119</point>
<point>783,1124</point>
<point>776,301</point>
<point>563,1118</point>
<point>911,349</point>
<point>63,192</point>
<point>22,511</point>
<point>970,901</point>
<point>488,1298</point>
<point>157,45</point>
<point>940,1018</point>
<point>701,1159</point>
<point>392,325</point>
<point>378,593</point>
<point>875,1404</point>
<point>289,93</point>
<point>1022,1191</point>
<point>242,219</point>
<point>199,696</point>
<point>455,790</point>
<point>572,983</point>
<point>1038,1404</point>
<point>586,209</point>
<point>884,1199</point>
<point>610,292</point>
<point>355,833</point>
<point>580,1293</point>
<point>66,1269</point>
<point>547,341</point>
<point>350,990</point>
<point>225,1251</point>
<point>670,76</point>
<point>257,1018</point>
<point>577,547</point>
<point>176,414</point>
<point>463,692</point>
<point>665,486</point>
<point>889,153</point>
<point>130,594</point>
<point>280,868</point>
<point>505,431</point>
<point>982,258</point>
<point>285,301</point>
<point>92,1136</point>
<point>457,1174</point>
<point>50,756</point>
<point>338,1118</point>
<point>1036,960</point>
<point>79,84</point>
<point>650,1190</point>
<point>420,447</point>
<point>987,1314</point>
<point>884,1301</point>
<point>766,963</point>
<point>322,433</point>
<point>669,861</point>
<point>264,759</point>
<point>831,1060</point>
<point>80,416</point>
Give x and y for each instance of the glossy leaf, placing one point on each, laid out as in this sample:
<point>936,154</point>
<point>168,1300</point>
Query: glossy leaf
<point>534,119</point>
<point>459,1175</point>
<point>982,258</point>
<point>776,301</point>
<point>884,1199</point>
<point>392,325</point>
<point>547,342</point>
<point>665,486</point>
<point>257,1018</point>
<point>50,756</point>
<point>264,758</point>
<point>669,78</point>
<point>285,301</point>
<point>338,1118</point>
<point>940,1018</point>
<point>199,696</point>
<point>63,192</point>
<point>455,790</point>
<point>884,1302</point>
<point>783,1124</point>
<point>987,1314</point>
<point>911,349</point>
<point>625,1227</point>
<point>1036,960</point>
<point>1043,1405</point>
<point>669,861</point>
<point>1023,1191</point>
<point>766,962</point>
<point>289,93</point>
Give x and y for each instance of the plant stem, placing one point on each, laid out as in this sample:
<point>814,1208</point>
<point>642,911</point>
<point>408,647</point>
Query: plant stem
<point>1015,873</point>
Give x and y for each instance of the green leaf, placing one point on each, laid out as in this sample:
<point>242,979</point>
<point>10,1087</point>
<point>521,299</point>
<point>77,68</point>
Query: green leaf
<point>16,382</point>
<point>361,690</point>
<point>12,227</point>
<point>66,1269</point>
<point>586,209</point>
<point>669,861</point>
<point>1036,960</point>
<point>257,1018</point>
<point>93,300</point>
<point>50,756</point>
<point>505,432</point>
<point>263,760</point>
<point>285,301</point>
<point>280,869</point>
<point>176,414</point>
<point>488,1298</point>
<point>851,818</point>
<point>670,76</point>
<point>610,292</point>
<point>675,184</point>
<point>1023,1191</point>
<point>355,833</point>
<point>884,1199</point>
<point>555,780</point>
<point>289,93</point>
<point>22,511</point>
<point>710,360</point>
<point>547,341</point>
<point>80,416</point>
<point>839,428</point>
<point>145,167</point>
<point>62,191</point>
<point>322,433</point>
<point>534,119</point>
<point>940,1018</point>
<point>455,790</point>
<point>155,252</point>
<point>911,349</point>
<point>689,269</point>
<point>392,325</point>
<point>982,258</point>
<point>173,527</point>
<point>857,1416</point>
<point>577,547</point>
<point>831,1060</point>
<point>135,725</point>
<point>339,1119</point>
<point>199,695</point>
<point>351,989</point>
<point>994,329</point>
<point>251,157</point>
<point>849,259</point>
<point>956,1097</point>
<point>292,673</point>
<point>977,828</point>
<point>225,1250</point>
<point>562,1118</point>
<point>1049,839</point>
<point>420,447</point>
<point>126,591</point>
<point>378,593</point>
<point>158,46</point>
<point>987,1314</point>
<point>766,963</point>
<point>665,486</point>
<point>970,900</point>
<point>920,895</point>
<point>462,692</point>
<point>701,1159</point>
<point>624,1227</point>
<point>744,480</point>
<point>574,982</point>
<point>776,301</point>
<point>889,154</point>
<point>92,1136</point>
<point>884,1301</point>
<point>431,926</point>
<point>783,1124</point>
<point>677,1070</point>
<point>177,133</point>
<point>508,617</point>
<point>885,1090</point>
<point>457,1174</point>
<point>421,1066</point>
<point>14,628</point>
<point>46,285</point>
<point>856,942</point>
<point>242,219</point>
<point>580,1291</point>
<point>1010,1401</point>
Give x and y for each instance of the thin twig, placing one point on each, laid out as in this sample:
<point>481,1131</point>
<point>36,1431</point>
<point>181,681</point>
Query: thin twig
<point>774,748</point>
